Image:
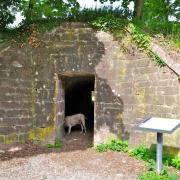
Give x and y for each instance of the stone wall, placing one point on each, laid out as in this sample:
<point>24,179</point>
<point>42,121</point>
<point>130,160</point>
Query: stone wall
<point>128,85</point>
<point>144,89</point>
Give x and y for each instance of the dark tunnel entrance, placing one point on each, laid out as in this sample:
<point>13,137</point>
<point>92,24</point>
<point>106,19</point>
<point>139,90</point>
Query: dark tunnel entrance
<point>78,99</point>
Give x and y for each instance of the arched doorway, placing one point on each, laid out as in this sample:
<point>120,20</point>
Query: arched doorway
<point>78,89</point>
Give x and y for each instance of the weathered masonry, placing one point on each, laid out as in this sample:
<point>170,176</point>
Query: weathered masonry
<point>72,59</point>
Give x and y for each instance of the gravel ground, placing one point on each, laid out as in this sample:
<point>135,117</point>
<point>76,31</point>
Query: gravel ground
<point>75,161</point>
<point>77,165</point>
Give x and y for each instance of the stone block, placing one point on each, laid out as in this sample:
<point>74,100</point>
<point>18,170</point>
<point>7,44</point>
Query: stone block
<point>136,138</point>
<point>167,90</point>
<point>2,138</point>
<point>170,100</point>
<point>85,36</point>
<point>127,99</point>
<point>70,35</point>
<point>159,100</point>
<point>8,104</point>
<point>7,90</point>
<point>11,138</point>
<point>4,74</point>
<point>52,37</point>
<point>5,130</point>
<point>17,113</point>
<point>22,137</point>
<point>67,50</point>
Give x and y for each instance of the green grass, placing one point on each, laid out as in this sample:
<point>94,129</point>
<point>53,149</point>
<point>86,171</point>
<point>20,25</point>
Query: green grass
<point>152,175</point>
<point>57,145</point>
<point>114,145</point>
<point>175,161</point>
<point>142,152</point>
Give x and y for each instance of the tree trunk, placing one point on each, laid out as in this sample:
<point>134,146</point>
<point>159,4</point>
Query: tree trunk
<point>30,10</point>
<point>138,8</point>
<point>167,9</point>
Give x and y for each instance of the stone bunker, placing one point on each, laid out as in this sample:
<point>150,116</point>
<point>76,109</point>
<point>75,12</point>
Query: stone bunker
<point>78,69</point>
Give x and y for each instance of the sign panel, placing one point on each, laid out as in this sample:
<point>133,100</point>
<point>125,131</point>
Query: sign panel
<point>162,125</point>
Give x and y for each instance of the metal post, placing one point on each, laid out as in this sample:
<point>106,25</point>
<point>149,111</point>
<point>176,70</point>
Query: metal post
<point>159,151</point>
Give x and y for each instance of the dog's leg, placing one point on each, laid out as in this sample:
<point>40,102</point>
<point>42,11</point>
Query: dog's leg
<point>82,128</point>
<point>84,125</point>
<point>69,129</point>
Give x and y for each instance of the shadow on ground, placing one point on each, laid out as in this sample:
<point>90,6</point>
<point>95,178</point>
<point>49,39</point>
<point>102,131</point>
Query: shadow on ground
<point>75,141</point>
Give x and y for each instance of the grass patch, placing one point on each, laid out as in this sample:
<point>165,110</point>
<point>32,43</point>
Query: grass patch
<point>175,161</point>
<point>152,175</point>
<point>142,152</point>
<point>114,145</point>
<point>56,145</point>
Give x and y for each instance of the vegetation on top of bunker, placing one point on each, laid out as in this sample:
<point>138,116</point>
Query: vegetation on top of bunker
<point>118,21</point>
<point>154,17</point>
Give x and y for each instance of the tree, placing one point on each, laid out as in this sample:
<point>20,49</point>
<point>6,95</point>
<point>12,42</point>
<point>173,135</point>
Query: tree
<point>29,11</point>
<point>152,9</point>
<point>161,10</point>
<point>149,11</point>
<point>7,12</point>
<point>138,6</point>
<point>35,9</point>
<point>38,9</point>
<point>175,9</point>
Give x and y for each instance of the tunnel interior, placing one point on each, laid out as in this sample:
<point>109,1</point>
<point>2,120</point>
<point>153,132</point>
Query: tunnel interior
<point>78,98</point>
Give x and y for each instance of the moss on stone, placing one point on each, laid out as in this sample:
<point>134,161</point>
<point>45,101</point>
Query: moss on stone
<point>11,138</point>
<point>22,137</point>
<point>39,134</point>
<point>123,72</point>
<point>2,138</point>
<point>172,151</point>
<point>119,116</point>
<point>71,35</point>
<point>110,138</point>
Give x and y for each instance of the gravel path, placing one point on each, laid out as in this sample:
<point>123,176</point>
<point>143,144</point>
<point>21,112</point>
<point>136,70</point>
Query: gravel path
<point>77,165</point>
<point>75,161</point>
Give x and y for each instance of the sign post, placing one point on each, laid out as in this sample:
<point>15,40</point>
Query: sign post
<point>160,126</point>
<point>159,150</point>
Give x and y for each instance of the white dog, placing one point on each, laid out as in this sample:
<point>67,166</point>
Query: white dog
<point>73,120</point>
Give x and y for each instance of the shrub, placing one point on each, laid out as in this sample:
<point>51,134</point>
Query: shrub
<point>152,175</point>
<point>114,145</point>
<point>102,148</point>
<point>143,153</point>
<point>146,154</point>
<point>118,145</point>
<point>109,23</point>
<point>175,162</point>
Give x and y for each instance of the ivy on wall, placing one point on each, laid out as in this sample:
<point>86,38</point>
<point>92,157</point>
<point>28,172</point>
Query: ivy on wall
<point>143,42</point>
<point>118,27</point>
